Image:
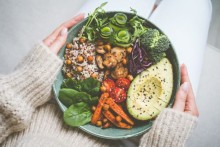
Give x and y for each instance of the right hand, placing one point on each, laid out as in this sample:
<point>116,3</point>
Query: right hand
<point>185,99</point>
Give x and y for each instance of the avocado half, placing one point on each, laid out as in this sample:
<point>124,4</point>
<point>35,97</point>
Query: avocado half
<point>150,91</point>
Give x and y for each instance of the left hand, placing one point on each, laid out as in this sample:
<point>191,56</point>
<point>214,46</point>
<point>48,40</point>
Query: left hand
<point>57,39</point>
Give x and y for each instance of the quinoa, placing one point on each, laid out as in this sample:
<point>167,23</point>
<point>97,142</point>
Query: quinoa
<point>84,49</point>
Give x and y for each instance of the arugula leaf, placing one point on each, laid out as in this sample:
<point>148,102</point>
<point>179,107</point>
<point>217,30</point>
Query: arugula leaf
<point>77,114</point>
<point>98,11</point>
<point>134,11</point>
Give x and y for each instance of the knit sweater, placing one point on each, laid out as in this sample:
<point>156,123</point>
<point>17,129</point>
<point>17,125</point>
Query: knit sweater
<point>27,119</point>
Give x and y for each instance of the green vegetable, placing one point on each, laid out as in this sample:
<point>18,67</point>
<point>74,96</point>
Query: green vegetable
<point>72,83</point>
<point>155,43</point>
<point>156,57</point>
<point>79,96</point>
<point>106,32</point>
<point>122,38</point>
<point>119,19</point>
<point>138,25</point>
<point>88,29</point>
<point>91,86</point>
<point>77,114</point>
<point>153,40</point>
<point>66,96</point>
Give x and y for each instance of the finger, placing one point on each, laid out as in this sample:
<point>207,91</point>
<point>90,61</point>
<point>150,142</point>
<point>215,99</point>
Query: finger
<point>190,101</point>
<point>181,96</point>
<point>50,39</point>
<point>184,74</point>
<point>60,41</point>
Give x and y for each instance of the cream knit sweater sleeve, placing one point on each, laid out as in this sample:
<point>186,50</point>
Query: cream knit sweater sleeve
<point>26,88</point>
<point>170,129</point>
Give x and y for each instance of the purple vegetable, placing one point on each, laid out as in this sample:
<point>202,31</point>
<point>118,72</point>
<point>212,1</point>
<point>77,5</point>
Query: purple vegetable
<point>138,59</point>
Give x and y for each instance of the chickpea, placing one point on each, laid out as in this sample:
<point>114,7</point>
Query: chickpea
<point>103,88</point>
<point>105,120</point>
<point>93,108</point>
<point>68,61</point>
<point>105,107</point>
<point>118,118</point>
<point>69,45</point>
<point>69,75</point>
<point>80,59</point>
<point>99,42</point>
<point>82,40</point>
<point>99,123</point>
<point>130,77</point>
<point>79,69</point>
<point>124,61</point>
<point>129,50</point>
<point>107,47</point>
<point>94,75</point>
<point>90,59</point>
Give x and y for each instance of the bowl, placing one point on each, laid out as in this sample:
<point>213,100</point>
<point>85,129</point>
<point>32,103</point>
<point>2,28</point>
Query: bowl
<point>117,133</point>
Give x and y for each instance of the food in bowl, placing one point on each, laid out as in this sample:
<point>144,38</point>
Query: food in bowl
<point>117,72</point>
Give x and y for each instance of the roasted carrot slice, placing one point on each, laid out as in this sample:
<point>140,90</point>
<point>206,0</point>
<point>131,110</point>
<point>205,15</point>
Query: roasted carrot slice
<point>117,109</point>
<point>97,114</point>
<point>112,119</point>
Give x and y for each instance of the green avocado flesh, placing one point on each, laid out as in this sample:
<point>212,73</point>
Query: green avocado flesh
<point>150,91</point>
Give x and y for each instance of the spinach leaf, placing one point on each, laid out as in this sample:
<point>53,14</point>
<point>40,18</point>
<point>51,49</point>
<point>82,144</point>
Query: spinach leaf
<point>81,97</point>
<point>66,96</point>
<point>70,96</point>
<point>72,83</point>
<point>94,100</point>
<point>91,86</point>
<point>77,114</point>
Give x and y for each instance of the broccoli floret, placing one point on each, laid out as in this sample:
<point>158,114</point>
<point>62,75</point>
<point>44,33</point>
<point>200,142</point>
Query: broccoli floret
<point>153,40</point>
<point>155,44</point>
<point>156,57</point>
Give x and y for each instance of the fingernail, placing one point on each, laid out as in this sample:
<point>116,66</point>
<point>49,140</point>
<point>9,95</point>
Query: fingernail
<point>63,32</point>
<point>185,87</point>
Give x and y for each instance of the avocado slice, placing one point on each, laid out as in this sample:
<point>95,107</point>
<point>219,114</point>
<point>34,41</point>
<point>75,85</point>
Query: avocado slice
<point>150,91</point>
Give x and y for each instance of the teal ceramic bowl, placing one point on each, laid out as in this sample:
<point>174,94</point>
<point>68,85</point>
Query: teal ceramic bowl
<point>116,133</point>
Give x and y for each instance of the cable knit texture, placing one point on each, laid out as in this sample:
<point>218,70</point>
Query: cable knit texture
<point>26,88</point>
<point>30,86</point>
<point>171,129</point>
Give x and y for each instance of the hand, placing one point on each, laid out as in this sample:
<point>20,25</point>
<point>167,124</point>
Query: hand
<point>185,99</point>
<point>57,39</point>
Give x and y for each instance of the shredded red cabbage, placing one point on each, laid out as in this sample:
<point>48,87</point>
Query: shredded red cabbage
<point>138,59</point>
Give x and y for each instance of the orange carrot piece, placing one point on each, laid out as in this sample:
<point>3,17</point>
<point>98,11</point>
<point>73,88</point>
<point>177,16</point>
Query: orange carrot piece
<point>112,119</point>
<point>97,114</point>
<point>117,109</point>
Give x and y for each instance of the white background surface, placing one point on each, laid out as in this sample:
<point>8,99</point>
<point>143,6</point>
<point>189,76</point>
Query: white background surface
<point>24,22</point>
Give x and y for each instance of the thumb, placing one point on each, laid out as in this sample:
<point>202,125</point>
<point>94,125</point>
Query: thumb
<point>181,96</point>
<point>59,41</point>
